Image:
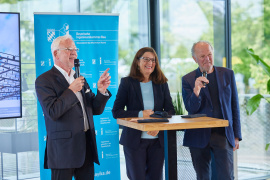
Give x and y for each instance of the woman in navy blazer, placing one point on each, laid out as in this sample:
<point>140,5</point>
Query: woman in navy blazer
<point>144,91</point>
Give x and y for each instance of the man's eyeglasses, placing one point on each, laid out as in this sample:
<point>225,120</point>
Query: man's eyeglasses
<point>69,49</point>
<point>147,59</point>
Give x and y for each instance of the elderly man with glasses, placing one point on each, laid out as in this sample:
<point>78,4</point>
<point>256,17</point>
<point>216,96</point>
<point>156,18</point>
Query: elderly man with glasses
<point>68,105</point>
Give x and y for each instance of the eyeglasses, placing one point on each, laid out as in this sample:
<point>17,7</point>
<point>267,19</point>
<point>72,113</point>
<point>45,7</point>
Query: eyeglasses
<point>147,59</point>
<point>69,49</point>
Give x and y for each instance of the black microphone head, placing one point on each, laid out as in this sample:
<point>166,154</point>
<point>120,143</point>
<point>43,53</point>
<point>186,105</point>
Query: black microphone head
<point>76,63</point>
<point>204,74</point>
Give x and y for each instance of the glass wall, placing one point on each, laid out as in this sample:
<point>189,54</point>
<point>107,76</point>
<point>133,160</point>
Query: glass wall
<point>250,29</point>
<point>184,22</point>
<point>133,34</point>
<point>133,26</point>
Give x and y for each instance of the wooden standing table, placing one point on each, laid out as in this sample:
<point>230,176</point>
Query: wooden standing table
<point>175,123</point>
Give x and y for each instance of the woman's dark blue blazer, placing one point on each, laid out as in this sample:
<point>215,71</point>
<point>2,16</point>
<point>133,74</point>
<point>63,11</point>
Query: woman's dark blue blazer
<point>129,103</point>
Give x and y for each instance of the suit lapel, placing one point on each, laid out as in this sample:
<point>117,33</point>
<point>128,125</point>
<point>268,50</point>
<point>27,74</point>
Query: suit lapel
<point>155,95</point>
<point>137,89</point>
<point>83,95</point>
<point>219,78</point>
<point>60,78</point>
<point>90,121</point>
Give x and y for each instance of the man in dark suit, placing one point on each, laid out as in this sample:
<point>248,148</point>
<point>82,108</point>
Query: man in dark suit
<point>217,97</point>
<point>68,105</point>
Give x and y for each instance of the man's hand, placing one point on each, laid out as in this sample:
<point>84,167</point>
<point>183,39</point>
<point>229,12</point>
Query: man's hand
<point>152,133</point>
<point>147,113</point>
<point>104,81</point>
<point>236,140</point>
<point>199,85</point>
<point>77,84</point>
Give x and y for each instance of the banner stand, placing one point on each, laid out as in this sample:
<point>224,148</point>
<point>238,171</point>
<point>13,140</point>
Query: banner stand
<point>96,36</point>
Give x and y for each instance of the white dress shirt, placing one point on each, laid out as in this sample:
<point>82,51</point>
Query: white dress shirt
<point>70,79</point>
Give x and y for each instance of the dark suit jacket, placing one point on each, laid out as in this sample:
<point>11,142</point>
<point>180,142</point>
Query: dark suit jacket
<point>65,146</point>
<point>228,98</point>
<point>129,95</point>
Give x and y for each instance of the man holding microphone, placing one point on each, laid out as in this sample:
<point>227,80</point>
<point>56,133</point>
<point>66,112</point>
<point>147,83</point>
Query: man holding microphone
<point>68,105</point>
<point>216,96</point>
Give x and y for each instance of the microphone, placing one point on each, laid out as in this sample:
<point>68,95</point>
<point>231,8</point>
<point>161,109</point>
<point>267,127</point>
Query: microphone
<point>77,67</point>
<point>204,74</point>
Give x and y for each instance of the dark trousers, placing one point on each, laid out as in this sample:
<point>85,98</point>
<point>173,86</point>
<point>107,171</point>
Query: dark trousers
<point>146,162</point>
<point>223,155</point>
<point>86,172</point>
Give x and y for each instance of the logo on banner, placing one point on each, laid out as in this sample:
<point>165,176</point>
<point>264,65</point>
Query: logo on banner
<point>51,32</point>
<point>50,35</point>
<point>42,63</point>
<point>64,30</point>
<point>46,63</point>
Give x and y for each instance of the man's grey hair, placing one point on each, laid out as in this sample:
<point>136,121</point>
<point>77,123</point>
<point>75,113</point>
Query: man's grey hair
<point>57,41</point>
<point>193,47</point>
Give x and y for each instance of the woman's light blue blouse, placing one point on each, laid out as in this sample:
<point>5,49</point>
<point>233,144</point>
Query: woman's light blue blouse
<point>148,103</point>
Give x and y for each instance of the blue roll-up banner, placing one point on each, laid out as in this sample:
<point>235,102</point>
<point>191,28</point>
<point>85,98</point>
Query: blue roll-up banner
<point>96,36</point>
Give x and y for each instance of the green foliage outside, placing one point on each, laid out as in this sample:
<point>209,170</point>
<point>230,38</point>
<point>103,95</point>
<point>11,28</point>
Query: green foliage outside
<point>249,30</point>
<point>254,102</point>
<point>98,6</point>
<point>179,105</point>
<point>9,1</point>
<point>176,48</point>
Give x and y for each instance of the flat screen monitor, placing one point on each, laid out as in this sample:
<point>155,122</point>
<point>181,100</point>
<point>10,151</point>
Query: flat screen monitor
<point>10,66</point>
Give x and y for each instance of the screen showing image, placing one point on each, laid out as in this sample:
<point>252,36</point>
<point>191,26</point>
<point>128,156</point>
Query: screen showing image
<point>10,66</point>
